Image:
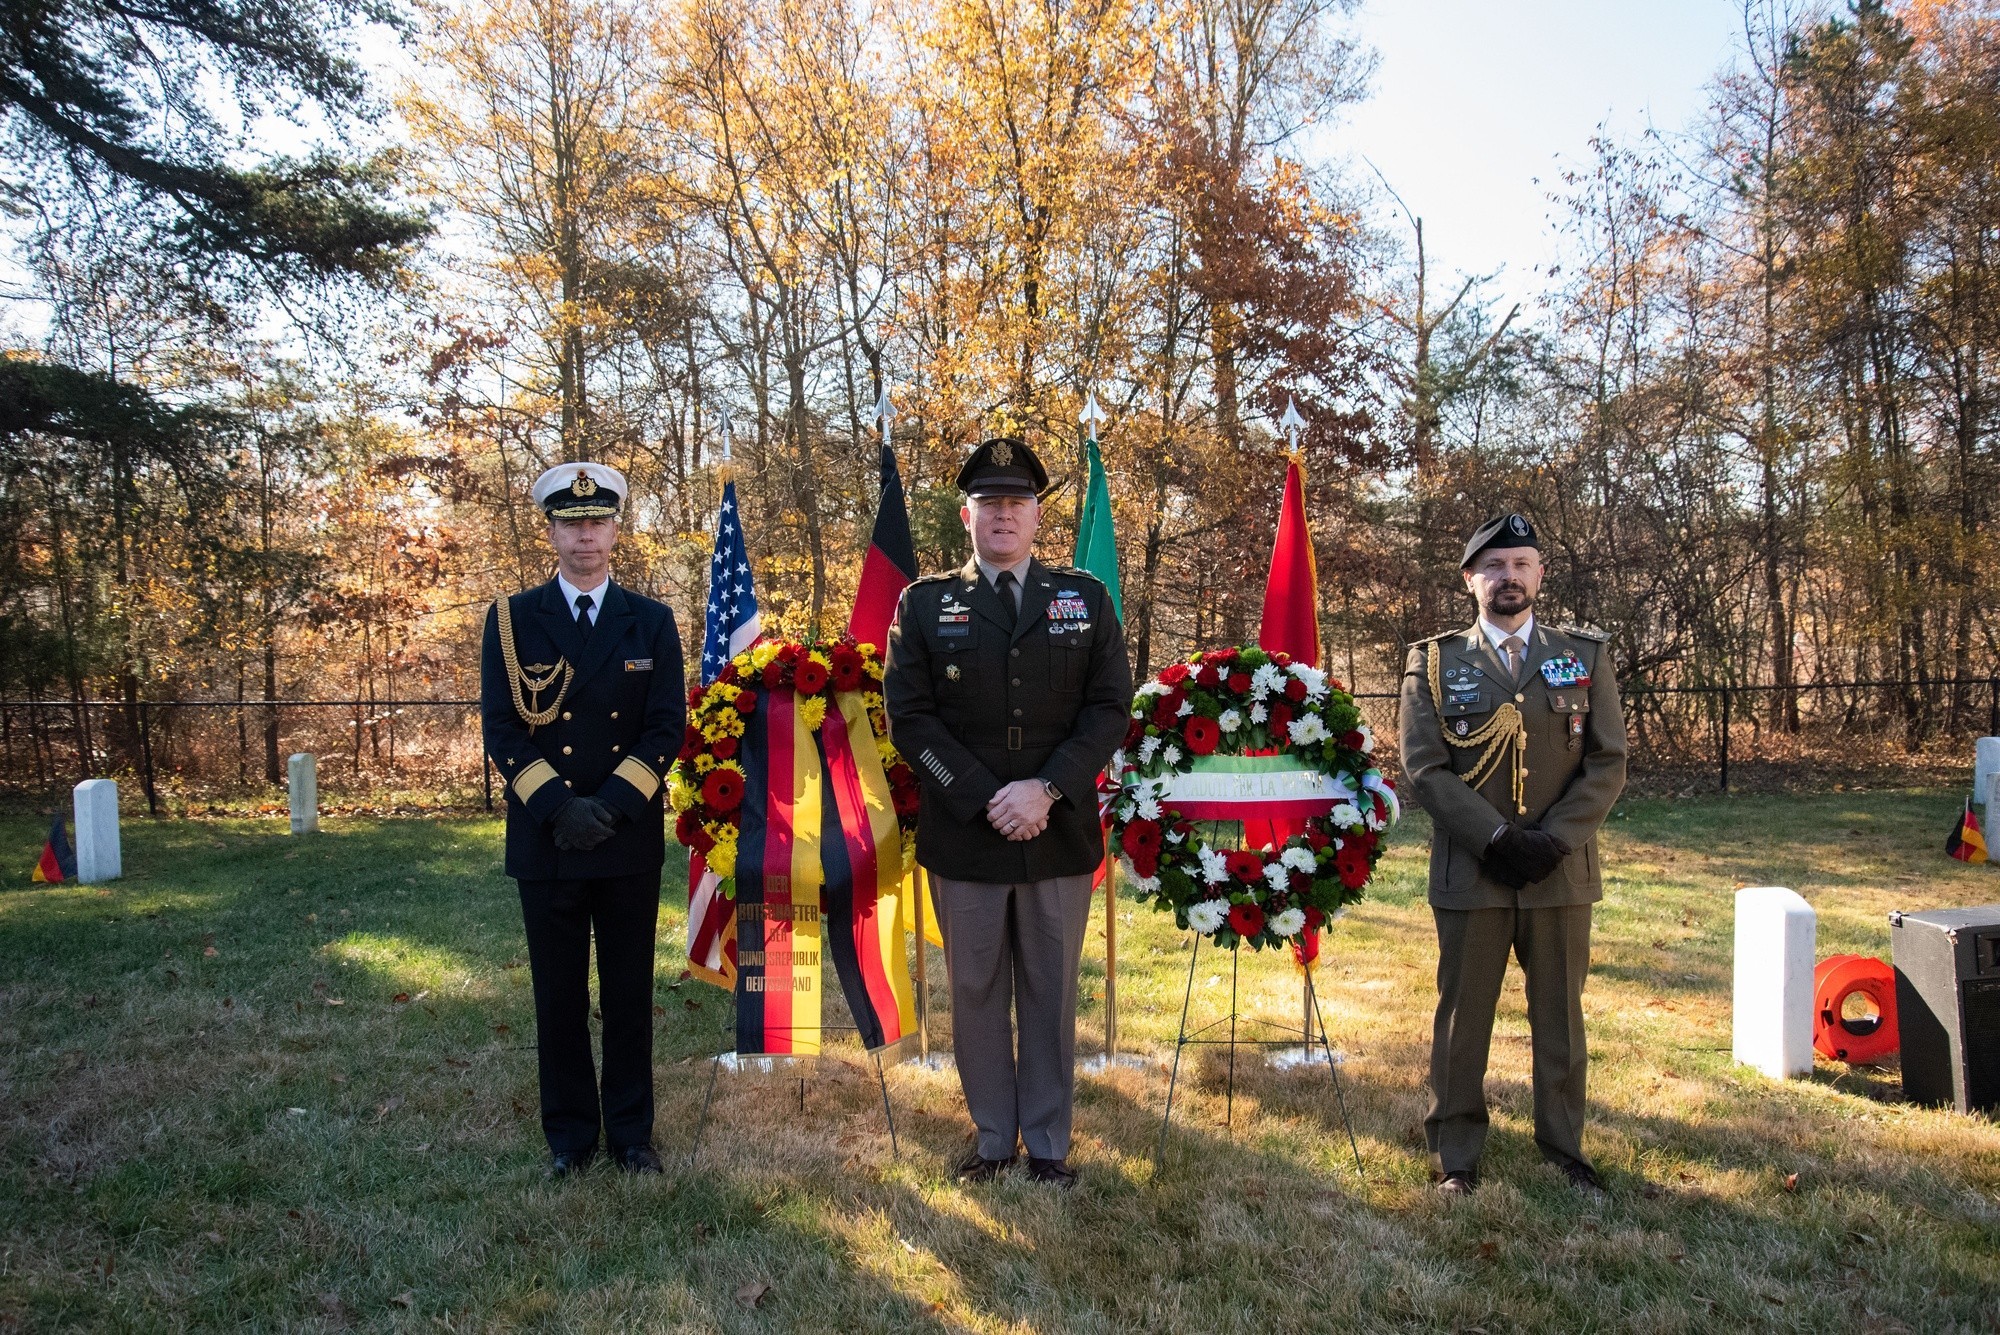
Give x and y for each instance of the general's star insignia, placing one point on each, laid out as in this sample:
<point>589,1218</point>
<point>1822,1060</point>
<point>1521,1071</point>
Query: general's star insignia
<point>951,672</point>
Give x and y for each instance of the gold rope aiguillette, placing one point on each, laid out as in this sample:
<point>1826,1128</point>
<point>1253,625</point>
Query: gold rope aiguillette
<point>517,679</point>
<point>1506,731</point>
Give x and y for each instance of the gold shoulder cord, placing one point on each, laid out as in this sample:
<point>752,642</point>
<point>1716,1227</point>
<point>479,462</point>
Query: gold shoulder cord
<point>1506,731</point>
<point>535,685</point>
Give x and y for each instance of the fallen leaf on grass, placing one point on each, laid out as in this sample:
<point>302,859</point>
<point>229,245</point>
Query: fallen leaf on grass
<point>335,1001</point>
<point>384,1109</point>
<point>691,1004</point>
<point>1488,1250</point>
<point>456,1061</point>
<point>1791,1182</point>
<point>338,1078</point>
<point>502,1029</point>
<point>406,1298</point>
<point>214,1237</point>
<point>1652,1191</point>
<point>210,951</point>
<point>753,1293</point>
<point>330,1304</point>
<point>659,1010</point>
<point>400,998</point>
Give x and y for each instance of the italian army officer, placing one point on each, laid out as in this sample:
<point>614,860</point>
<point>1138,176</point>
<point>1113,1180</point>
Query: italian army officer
<point>583,709</point>
<point>1514,741</point>
<point>1007,688</point>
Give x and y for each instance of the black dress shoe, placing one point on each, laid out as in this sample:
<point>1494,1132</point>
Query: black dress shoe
<point>1055,1172</point>
<point>975,1167</point>
<point>1458,1182</point>
<point>638,1159</point>
<point>567,1163</point>
<point>1584,1178</point>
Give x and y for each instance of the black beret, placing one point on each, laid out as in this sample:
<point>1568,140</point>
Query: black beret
<point>1500,531</point>
<point>1003,466</point>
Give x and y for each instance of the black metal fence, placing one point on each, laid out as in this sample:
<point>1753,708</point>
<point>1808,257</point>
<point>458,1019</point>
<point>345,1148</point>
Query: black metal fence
<point>426,754</point>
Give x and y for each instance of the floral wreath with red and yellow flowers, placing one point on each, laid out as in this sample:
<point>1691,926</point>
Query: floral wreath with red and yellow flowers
<point>705,785</point>
<point>1241,702</point>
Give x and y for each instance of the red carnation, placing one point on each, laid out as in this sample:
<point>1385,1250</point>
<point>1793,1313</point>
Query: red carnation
<point>694,696</point>
<point>1184,828</point>
<point>907,801</point>
<point>1299,882</point>
<point>1246,920</point>
<point>810,679</point>
<point>901,774</point>
<point>847,669</point>
<point>690,745</point>
<point>728,673</point>
<point>1173,674</point>
<point>1316,838</point>
<point>746,702</point>
<point>1164,713</point>
<point>1203,734</point>
<point>791,653</point>
<point>774,674</point>
<point>1246,866</point>
<point>1239,682</point>
<point>1335,683</point>
<point>1314,917</point>
<point>1133,732</point>
<point>722,789</point>
<point>1352,740</point>
<point>1281,719</point>
<point>688,830</point>
<point>1207,676</point>
<point>1282,659</point>
<point>723,748</point>
<point>1295,690</point>
<point>1144,863</point>
<point>1141,836</point>
<point>1353,864</point>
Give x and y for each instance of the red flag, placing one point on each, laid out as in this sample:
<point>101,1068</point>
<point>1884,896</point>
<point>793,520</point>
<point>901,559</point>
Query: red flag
<point>1290,626</point>
<point>1291,595</point>
<point>890,565</point>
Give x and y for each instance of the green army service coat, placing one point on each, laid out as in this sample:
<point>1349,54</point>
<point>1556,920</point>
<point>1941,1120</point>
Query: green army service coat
<point>974,706</point>
<point>1575,759</point>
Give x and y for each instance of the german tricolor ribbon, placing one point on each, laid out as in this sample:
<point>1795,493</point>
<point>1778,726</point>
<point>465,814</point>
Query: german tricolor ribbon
<point>864,879</point>
<point>778,878</point>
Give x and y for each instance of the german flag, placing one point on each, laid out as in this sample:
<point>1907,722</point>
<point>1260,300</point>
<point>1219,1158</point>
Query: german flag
<point>1966,843</point>
<point>58,861</point>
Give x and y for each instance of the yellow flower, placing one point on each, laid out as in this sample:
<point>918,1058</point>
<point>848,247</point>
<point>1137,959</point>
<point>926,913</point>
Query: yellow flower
<point>728,723</point>
<point>873,699</point>
<point>722,832</point>
<point>819,656</point>
<point>761,654</point>
<point>722,859</point>
<point>703,762</point>
<point>813,710</point>
<point>733,767</point>
<point>679,791</point>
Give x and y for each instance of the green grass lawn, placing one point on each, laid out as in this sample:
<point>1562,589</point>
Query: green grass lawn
<point>273,1083</point>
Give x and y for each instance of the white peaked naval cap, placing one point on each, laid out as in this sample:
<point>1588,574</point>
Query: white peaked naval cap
<point>580,491</point>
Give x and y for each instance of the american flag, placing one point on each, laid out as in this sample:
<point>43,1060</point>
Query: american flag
<point>731,626</point>
<point>732,623</point>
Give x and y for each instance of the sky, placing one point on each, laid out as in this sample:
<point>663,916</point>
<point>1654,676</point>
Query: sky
<point>1477,105</point>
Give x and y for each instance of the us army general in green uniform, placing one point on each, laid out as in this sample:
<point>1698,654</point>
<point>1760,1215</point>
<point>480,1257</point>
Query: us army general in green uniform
<point>1513,740</point>
<point>1007,691</point>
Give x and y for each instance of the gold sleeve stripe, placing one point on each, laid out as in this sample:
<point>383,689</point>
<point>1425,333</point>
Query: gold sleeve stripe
<point>532,778</point>
<point>640,775</point>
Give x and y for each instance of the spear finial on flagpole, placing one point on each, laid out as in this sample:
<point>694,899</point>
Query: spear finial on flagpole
<point>723,432</point>
<point>885,412</point>
<point>1092,415</point>
<point>1291,423</point>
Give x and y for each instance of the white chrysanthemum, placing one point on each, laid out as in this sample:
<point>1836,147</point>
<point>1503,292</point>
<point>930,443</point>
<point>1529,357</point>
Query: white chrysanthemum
<point>1117,762</point>
<point>1307,730</point>
<point>1149,804</point>
<point>1266,680</point>
<point>1145,885</point>
<point>1208,916</point>
<point>1277,877</point>
<point>1346,816</point>
<point>1230,720</point>
<point>1153,688</point>
<point>1214,867</point>
<point>1314,679</point>
<point>1148,749</point>
<point>1187,707</point>
<point>1172,754</point>
<point>1367,739</point>
<point>1258,713</point>
<point>1175,837</point>
<point>1299,859</point>
<point>1374,821</point>
<point>1289,923</point>
<point>1123,811</point>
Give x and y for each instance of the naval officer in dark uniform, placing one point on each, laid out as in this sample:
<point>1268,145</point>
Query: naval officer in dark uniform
<point>1007,690</point>
<point>583,709</point>
<point>1513,739</point>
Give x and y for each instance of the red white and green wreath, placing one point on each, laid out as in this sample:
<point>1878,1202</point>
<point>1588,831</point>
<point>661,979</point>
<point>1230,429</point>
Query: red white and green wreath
<point>1240,702</point>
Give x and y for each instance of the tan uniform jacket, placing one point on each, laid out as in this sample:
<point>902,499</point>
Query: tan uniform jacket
<point>1575,762</point>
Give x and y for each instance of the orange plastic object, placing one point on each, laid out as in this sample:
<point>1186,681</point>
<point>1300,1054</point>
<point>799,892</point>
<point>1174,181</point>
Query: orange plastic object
<point>1855,1041</point>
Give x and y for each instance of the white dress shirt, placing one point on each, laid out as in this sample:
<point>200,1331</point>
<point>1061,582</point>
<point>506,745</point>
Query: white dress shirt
<point>571,593</point>
<point>1497,637</point>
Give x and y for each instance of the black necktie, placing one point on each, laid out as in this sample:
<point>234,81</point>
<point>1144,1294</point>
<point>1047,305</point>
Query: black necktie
<point>583,606</point>
<point>1005,585</point>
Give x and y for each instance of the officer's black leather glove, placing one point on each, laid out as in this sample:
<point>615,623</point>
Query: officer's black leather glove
<point>1522,855</point>
<point>582,823</point>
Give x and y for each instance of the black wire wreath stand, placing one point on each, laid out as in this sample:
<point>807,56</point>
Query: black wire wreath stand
<point>715,1069</point>
<point>1288,1037</point>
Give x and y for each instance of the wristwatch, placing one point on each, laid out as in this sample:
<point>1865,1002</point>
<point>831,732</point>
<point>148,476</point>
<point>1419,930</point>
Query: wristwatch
<point>1055,793</point>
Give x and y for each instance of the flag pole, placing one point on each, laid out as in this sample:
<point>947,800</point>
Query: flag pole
<point>1091,415</point>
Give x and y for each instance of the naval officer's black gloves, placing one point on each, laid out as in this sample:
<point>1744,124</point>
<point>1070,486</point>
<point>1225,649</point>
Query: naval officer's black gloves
<point>1521,855</point>
<point>582,823</point>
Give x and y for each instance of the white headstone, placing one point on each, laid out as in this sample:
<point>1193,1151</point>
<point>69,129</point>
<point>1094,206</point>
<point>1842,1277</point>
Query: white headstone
<point>303,771</point>
<point>1772,1020</point>
<point>1992,831</point>
<point>1985,765</point>
<point>98,857</point>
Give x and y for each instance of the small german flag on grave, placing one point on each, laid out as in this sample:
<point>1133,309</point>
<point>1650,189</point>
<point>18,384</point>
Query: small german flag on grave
<point>1967,844</point>
<point>58,861</point>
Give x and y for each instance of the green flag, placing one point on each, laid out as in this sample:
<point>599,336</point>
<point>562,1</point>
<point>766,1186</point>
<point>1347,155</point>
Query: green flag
<point>1096,544</point>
